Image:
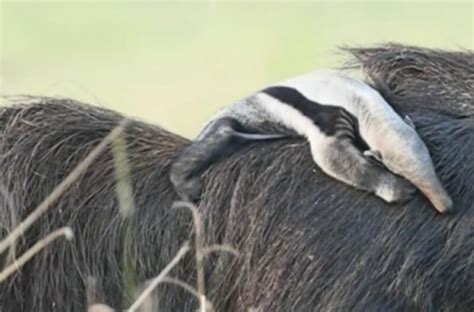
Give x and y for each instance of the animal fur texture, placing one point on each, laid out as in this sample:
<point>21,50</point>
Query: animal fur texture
<point>306,241</point>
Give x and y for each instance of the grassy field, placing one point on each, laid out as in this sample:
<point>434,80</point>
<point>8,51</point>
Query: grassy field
<point>176,63</point>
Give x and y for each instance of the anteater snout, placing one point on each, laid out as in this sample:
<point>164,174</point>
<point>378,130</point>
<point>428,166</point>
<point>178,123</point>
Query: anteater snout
<point>444,205</point>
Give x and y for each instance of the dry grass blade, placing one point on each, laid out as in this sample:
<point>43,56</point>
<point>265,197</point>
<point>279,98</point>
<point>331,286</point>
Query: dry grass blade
<point>209,307</point>
<point>123,180</point>
<point>99,307</point>
<point>180,254</point>
<point>201,252</point>
<point>60,188</point>
<point>8,203</point>
<point>218,248</point>
<point>17,264</point>
<point>199,247</point>
<point>124,191</point>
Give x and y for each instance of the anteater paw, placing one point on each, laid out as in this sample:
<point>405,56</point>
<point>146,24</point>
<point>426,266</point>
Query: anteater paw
<point>394,189</point>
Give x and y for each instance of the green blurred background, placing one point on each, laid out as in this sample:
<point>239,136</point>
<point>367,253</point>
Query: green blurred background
<point>175,63</point>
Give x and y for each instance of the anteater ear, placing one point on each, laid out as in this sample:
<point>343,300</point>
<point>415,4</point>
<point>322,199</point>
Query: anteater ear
<point>375,155</point>
<point>409,122</point>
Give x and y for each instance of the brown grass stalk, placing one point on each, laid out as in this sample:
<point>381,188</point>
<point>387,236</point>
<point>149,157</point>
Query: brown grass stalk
<point>27,255</point>
<point>148,290</point>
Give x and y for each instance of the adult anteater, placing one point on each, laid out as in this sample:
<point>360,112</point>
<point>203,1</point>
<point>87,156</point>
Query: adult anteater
<point>306,242</point>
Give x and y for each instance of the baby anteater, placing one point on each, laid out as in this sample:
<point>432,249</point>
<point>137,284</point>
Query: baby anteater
<point>347,123</point>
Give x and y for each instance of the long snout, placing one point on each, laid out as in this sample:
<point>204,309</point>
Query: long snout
<point>411,159</point>
<point>438,196</point>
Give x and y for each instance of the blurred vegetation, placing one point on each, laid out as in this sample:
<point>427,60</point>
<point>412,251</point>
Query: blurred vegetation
<point>175,63</point>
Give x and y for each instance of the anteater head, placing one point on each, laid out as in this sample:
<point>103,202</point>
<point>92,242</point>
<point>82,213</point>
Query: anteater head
<point>405,154</point>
